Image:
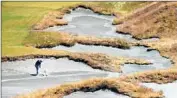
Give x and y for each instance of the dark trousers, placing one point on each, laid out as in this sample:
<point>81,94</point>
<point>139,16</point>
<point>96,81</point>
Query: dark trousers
<point>37,69</point>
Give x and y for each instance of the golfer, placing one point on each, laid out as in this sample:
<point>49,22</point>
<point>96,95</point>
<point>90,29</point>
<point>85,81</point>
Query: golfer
<point>38,65</point>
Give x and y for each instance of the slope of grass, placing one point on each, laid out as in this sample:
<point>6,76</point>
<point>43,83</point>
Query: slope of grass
<point>17,19</point>
<point>42,39</point>
<point>127,7</point>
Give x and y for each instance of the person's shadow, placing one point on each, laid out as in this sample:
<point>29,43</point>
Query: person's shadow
<point>33,74</point>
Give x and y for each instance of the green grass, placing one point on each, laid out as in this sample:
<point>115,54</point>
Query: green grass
<point>17,19</point>
<point>128,7</point>
<point>47,39</point>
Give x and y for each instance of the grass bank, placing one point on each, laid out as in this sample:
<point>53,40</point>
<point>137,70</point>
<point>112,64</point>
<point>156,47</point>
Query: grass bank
<point>126,88</point>
<point>51,39</point>
<point>157,19</point>
<point>156,76</point>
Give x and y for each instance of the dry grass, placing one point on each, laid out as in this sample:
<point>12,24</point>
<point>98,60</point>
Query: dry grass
<point>114,42</point>
<point>104,62</point>
<point>126,88</point>
<point>51,39</point>
<point>155,20</point>
<point>156,76</point>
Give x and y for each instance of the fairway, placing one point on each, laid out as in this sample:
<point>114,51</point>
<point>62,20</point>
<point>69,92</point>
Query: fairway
<point>17,20</point>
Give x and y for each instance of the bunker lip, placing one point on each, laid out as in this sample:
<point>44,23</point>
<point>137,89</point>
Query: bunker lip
<point>92,9</point>
<point>154,76</point>
<point>96,94</point>
<point>137,38</point>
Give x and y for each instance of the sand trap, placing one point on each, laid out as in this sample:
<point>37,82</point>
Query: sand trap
<point>50,65</point>
<point>169,89</point>
<point>153,56</point>
<point>96,94</point>
<point>86,22</point>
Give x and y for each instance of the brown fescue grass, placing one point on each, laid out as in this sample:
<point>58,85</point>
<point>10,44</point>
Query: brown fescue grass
<point>107,63</point>
<point>51,39</point>
<point>126,88</point>
<point>155,20</point>
<point>138,12</point>
<point>155,76</point>
<point>114,42</point>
